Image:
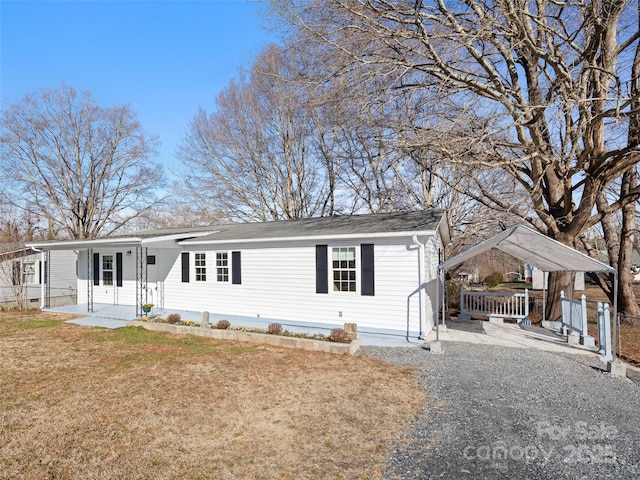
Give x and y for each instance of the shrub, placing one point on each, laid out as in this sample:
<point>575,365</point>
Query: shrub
<point>223,324</point>
<point>274,329</point>
<point>494,279</point>
<point>173,318</point>
<point>338,335</point>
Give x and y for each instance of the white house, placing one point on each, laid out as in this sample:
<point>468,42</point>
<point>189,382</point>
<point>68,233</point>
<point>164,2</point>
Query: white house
<point>30,279</point>
<point>378,271</point>
<point>540,279</point>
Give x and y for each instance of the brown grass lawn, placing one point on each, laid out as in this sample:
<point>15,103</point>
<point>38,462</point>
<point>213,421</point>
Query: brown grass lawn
<point>78,402</point>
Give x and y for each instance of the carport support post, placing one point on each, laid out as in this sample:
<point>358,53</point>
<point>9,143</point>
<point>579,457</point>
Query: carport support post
<point>436,347</point>
<point>90,267</point>
<point>571,285</point>
<point>43,280</point>
<point>615,368</point>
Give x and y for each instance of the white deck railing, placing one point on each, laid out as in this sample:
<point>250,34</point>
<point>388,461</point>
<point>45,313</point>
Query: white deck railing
<point>574,315</point>
<point>574,320</point>
<point>496,306</point>
<point>604,331</point>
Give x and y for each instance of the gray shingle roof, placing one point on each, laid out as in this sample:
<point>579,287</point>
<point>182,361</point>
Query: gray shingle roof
<point>369,224</point>
<point>334,225</point>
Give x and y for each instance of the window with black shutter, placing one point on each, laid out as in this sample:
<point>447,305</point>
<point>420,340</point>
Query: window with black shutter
<point>185,267</point>
<point>236,269</point>
<point>96,269</point>
<point>119,269</point>
<point>367,286</point>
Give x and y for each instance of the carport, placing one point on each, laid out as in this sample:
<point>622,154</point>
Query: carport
<point>536,249</point>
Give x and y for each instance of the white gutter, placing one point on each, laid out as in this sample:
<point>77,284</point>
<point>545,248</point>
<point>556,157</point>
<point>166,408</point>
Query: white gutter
<point>136,241</point>
<point>85,243</point>
<point>177,236</point>
<point>348,236</point>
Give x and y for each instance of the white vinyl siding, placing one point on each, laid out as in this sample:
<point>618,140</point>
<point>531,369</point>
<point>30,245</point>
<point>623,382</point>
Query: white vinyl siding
<point>266,293</point>
<point>62,278</point>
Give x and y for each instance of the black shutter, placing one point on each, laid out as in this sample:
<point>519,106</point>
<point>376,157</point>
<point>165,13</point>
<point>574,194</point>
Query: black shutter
<point>118,269</point>
<point>322,272</point>
<point>96,269</point>
<point>236,269</point>
<point>46,271</point>
<point>367,286</point>
<point>40,272</point>
<point>185,267</point>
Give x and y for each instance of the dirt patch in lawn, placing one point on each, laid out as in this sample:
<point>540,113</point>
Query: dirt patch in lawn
<point>78,402</point>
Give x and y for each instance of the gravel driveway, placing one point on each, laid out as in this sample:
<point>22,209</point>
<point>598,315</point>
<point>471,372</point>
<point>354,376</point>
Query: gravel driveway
<point>498,412</point>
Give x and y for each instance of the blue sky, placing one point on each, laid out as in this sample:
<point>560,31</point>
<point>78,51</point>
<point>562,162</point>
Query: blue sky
<point>164,58</point>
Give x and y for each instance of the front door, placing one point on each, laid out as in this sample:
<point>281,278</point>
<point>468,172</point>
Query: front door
<point>155,288</point>
<point>108,277</point>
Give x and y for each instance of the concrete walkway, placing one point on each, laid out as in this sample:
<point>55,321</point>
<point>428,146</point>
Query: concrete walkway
<point>116,316</point>
<point>471,331</point>
<point>507,335</point>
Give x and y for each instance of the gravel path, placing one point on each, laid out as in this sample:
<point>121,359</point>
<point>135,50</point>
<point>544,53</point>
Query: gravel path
<point>497,412</point>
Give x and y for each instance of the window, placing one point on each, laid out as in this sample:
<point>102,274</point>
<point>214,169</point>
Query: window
<point>107,269</point>
<point>222,266</point>
<point>151,259</point>
<point>28,272</point>
<point>17,273</point>
<point>344,269</point>
<point>201,267</point>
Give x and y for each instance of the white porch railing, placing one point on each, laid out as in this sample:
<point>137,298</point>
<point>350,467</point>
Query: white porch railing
<point>604,331</point>
<point>574,315</point>
<point>496,306</point>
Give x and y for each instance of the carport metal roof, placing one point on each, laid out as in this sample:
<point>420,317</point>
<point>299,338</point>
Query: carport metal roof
<point>535,249</point>
<point>542,252</point>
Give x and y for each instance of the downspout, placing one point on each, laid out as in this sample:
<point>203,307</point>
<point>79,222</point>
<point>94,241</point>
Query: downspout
<point>421,293</point>
<point>615,315</point>
<point>441,279</point>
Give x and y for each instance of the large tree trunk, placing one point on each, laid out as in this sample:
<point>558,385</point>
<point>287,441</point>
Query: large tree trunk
<point>558,281</point>
<point>627,302</point>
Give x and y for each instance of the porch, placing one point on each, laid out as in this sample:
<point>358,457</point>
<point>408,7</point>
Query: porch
<point>495,306</point>
<point>115,316</point>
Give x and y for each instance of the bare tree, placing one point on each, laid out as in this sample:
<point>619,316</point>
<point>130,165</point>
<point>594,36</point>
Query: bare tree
<point>83,168</point>
<point>252,157</point>
<point>548,84</point>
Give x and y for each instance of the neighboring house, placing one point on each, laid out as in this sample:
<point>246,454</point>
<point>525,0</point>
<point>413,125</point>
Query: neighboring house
<point>540,279</point>
<point>469,276</point>
<point>377,270</point>
<point>30,279</point>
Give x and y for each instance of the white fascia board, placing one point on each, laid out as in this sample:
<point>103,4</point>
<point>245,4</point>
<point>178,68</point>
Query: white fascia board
<point>85,243</point>
<point>176,236</point>
<point>349,236</point>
